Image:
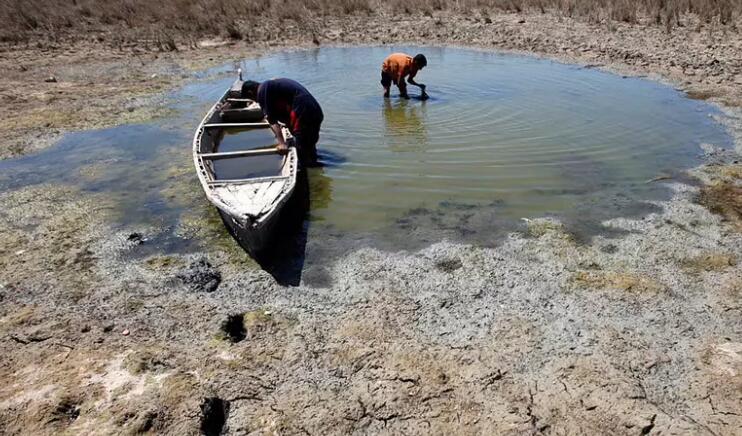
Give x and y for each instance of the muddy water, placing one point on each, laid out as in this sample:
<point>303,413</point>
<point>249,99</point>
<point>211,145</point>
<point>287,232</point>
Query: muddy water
<point>502,137</point>
<point>534,137</point>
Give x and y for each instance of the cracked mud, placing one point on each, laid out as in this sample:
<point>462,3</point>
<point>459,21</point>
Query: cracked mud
<point>633,333</point>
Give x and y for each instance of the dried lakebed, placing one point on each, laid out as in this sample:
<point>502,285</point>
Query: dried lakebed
<point>126,307</point>
<point>503,138</point>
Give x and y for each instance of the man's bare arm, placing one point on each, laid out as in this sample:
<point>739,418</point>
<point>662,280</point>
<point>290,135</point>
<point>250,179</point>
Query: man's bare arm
<point>411,81</point>
<point>278,132</point>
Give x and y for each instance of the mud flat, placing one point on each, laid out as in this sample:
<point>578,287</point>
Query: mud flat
<point>630,334</point>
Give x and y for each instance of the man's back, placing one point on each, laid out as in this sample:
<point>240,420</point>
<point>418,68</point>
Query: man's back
<point>398,65</point>
<point>279,97</point>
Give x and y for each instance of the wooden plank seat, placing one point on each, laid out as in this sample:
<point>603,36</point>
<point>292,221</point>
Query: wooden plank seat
<point>222,125</point>
<point>242,153</point>
<point>247,181</point>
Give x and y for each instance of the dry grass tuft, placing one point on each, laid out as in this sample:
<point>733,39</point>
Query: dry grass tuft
<point>704,94</point>
<point>146,360</point>
<point>724,198</point>
<point>160,22</point>
<point>733,171</point>
<point>709,262</point>
<point>624,281</point>
<point>163,262</point>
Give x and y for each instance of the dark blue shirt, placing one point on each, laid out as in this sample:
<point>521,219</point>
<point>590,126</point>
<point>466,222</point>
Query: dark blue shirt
<point>285,100</point>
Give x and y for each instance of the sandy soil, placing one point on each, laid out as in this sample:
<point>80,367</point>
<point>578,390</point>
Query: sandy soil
<point>637,334</point>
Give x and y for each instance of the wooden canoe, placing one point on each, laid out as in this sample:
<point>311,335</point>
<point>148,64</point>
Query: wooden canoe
<point>250,205</point>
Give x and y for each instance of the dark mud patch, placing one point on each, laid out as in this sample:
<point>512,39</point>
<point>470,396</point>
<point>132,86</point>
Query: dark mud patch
<point>136,238</point>
<point>609,249</point>
<point>449,265</point>
<point>200,276</point>
<point>66,412</point>
<point>214,413</point>
<point>255,326</point>
<point>234,328</point>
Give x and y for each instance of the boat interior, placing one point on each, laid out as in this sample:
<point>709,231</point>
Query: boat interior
<point>236,153</point>
<point>243,173</point>
<point>237,144</point>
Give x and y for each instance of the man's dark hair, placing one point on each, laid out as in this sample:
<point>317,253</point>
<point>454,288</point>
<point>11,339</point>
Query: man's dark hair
<point>250,89</point>
<point>420,60</point>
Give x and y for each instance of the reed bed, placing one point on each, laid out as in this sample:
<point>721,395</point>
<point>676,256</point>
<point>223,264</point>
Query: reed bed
<point>26,20</point>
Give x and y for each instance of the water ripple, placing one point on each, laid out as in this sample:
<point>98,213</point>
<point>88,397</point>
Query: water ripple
<point>496,126</point>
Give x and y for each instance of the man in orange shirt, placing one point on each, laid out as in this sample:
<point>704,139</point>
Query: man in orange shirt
<point>398,66</point>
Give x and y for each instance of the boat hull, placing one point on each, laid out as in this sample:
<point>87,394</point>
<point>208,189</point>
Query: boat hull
<point>255,241</point>
<point>275,204</point>
<point>278,231</point>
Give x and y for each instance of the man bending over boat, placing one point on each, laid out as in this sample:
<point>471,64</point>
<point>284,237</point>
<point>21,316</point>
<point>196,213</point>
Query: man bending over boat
<point>396,67</point>
<point>286,101</point>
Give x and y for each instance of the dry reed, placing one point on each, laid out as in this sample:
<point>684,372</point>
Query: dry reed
<point>26,20</point>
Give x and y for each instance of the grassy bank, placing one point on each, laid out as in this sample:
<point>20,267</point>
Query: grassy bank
<point>30,21</point>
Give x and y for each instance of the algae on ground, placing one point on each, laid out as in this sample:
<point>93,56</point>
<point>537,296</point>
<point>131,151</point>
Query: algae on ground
<point>539,227</point>
<point>160,262</point>
<point>205,226</point>
<point>50,230</point>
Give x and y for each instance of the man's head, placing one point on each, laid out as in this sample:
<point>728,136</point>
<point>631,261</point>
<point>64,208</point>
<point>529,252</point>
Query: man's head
<point>250,89</point>
<point>420,61</point>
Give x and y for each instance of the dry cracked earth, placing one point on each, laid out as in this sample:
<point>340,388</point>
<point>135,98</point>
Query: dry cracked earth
<point>637,333</point>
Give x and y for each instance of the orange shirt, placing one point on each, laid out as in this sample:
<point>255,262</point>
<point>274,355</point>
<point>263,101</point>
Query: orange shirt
<point>399,65</point>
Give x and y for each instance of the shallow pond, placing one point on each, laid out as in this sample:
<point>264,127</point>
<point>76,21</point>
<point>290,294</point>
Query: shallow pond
<point>502,137</point>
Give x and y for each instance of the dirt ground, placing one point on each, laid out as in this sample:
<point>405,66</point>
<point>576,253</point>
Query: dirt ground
<point>633,334</point>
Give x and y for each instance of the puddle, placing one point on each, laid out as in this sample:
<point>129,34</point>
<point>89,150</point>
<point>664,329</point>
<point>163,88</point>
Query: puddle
<point>502,137</point>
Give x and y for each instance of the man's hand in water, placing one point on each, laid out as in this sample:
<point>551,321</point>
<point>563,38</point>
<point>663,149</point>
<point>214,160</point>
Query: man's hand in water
<point>282,148</point>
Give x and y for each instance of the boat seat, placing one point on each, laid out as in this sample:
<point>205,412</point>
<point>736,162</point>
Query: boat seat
<point>242,153</point>
<point>247,181</point>
<point>226,125</point>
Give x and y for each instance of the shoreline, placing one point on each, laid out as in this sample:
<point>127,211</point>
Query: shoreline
<point>714,71</point>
